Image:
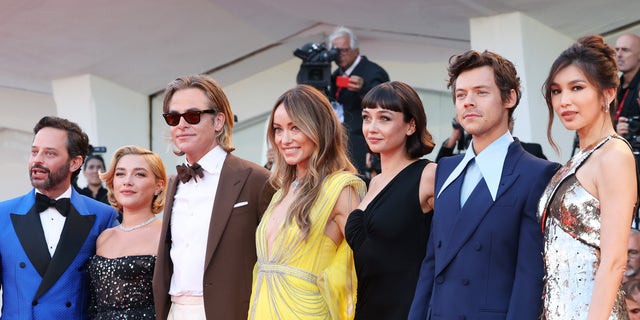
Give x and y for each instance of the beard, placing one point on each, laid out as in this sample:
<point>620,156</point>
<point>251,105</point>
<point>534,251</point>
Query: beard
<point>53,179</point>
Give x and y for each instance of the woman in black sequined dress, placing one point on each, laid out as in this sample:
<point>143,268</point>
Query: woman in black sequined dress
<point>121,272</point>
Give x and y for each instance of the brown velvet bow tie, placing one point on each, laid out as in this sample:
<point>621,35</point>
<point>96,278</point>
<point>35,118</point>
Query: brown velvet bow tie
<point>185,172</point>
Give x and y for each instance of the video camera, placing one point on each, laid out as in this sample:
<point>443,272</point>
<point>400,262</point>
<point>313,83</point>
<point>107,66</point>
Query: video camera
<point>97,149</point>
<point>315,69</point>
<point>633,137</point>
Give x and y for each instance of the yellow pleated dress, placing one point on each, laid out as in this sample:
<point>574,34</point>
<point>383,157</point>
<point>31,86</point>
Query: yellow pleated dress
<point>306,279</point>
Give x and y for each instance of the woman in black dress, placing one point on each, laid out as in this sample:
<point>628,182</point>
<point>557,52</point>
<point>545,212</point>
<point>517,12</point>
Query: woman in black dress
<point>93,166</point>
<point>389,230</point>
<point>121,272</point>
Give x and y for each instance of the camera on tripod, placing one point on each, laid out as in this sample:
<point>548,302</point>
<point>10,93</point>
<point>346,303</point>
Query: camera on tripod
<point>315,69</point>
<point>633,137</point>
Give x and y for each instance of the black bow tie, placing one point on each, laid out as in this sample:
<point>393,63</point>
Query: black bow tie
<point>185,172</point>
<point>43,203</point>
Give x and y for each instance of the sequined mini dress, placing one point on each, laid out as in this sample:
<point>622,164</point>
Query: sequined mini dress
<point>121,287</point>
<point>570,216</point>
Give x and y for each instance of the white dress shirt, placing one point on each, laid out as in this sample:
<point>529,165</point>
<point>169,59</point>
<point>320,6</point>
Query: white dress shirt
<point>190,220</point>
<point>52,223</point>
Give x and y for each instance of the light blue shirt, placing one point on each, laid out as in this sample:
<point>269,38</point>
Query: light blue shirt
<point>490,162</point>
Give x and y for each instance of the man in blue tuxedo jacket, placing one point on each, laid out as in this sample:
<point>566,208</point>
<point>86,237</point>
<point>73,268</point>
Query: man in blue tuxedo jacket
<point>484,255</point>
<point>49,233</point>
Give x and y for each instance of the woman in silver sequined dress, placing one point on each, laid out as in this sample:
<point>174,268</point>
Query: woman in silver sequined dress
<point>587,207</point>
<point>121,272</point>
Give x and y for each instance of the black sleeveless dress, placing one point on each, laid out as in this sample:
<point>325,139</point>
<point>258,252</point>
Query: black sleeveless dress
<point>389,241</point>
<point>121,288</point>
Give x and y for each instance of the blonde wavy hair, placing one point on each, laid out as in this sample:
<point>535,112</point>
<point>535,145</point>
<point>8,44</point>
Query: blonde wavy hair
<point>157,168</point>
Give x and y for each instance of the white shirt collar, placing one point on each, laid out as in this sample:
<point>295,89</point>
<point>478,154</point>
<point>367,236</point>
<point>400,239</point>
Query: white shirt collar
<point>212,161</point>
<point>353,65</point>
<point>66,194</point>
<point>490,161</point>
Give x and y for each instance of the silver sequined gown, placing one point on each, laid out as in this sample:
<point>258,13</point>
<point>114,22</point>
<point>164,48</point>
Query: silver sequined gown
<point>121,288</point>
<point>571,218</point>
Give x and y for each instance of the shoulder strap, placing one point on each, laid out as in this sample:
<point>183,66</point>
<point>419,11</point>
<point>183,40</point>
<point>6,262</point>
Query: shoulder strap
<point>636,216</point>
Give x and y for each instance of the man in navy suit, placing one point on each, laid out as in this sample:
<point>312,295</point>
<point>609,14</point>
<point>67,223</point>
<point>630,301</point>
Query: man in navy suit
<point>362,75</point>
<point>49,233</point>
<point>484,255</point>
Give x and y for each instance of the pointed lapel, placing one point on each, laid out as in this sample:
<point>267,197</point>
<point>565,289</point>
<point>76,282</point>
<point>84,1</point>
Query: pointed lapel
<point>31,235</point>
<point>74,233</point>
<point>467,221</point>
<point>509,175</point>
<point>232,179</point>
<point>478,205</point>
<point>172,187</point>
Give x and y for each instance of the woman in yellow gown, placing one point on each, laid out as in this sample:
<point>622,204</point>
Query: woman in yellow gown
<point>305,267</point>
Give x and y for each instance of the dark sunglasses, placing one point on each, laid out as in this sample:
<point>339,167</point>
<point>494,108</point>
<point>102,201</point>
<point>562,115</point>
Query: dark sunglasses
<point>191,117</point>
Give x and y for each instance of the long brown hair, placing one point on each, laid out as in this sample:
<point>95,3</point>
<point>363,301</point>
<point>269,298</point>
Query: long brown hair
<point>596,59</point>
<point>311,111</point>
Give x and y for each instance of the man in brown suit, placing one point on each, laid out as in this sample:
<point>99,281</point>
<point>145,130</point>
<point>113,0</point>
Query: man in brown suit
<point>207,248</point>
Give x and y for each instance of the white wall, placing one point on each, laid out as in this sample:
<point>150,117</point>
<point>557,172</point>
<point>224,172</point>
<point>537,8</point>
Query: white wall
<point>20,112</point>
<point>110,114</point>
<point>532,47</point>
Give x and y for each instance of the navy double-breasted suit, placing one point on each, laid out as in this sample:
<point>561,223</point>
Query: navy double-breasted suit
<point>36,285</point>
<point>484,260</point>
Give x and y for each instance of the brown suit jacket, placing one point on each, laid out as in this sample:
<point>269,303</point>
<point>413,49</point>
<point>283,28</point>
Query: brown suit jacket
<point>231,246</point>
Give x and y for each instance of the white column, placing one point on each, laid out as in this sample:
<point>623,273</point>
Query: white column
<point>22,109</point>
<point>532,47</point>
<point>110,114</point>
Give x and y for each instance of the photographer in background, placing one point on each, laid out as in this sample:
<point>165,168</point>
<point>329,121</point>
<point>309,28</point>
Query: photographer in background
<point>355,76</point>
<point>627,114</point>
<point>457,138</point>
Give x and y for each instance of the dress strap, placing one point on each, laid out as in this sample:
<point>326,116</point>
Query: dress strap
<point>566,171</point>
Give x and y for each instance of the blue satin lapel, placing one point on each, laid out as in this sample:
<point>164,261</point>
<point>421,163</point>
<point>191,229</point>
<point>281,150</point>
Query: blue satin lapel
<point>74,233</point>
<point>31,235</point>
